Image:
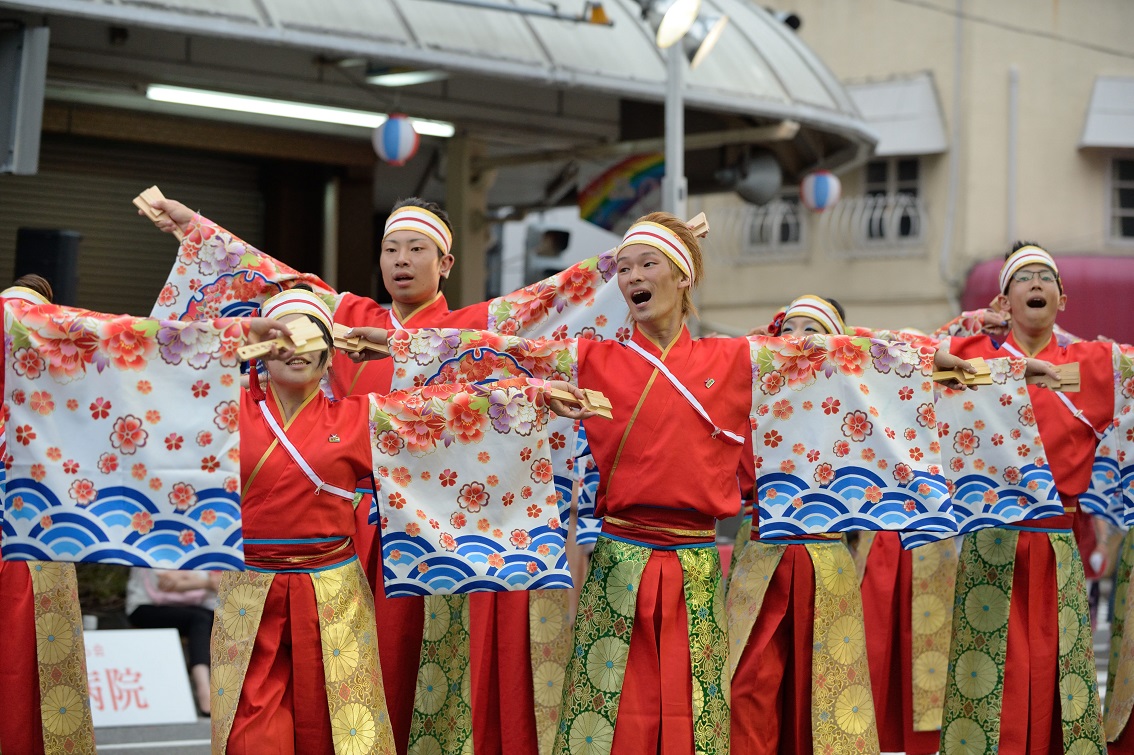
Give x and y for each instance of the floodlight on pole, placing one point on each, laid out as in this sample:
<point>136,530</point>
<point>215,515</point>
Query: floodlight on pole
<point>670,19</point>
<point>702,37</point>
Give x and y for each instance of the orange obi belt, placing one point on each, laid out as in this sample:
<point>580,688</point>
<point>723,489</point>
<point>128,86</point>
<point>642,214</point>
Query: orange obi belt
<point>1063,523</point>
<point>301,555</point>
<point>794,540</point>
<point>661,528</point>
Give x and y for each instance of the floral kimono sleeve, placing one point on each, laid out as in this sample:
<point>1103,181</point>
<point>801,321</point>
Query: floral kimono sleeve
<point>465,490</point>
<point>123,445</point>
<point>216,274</point>
<point>844,432</point>
<point>1121,436</point>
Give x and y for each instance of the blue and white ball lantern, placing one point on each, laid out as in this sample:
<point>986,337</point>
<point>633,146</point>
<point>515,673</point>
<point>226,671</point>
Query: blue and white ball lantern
<point>395,141</point>
<point>820,190</point>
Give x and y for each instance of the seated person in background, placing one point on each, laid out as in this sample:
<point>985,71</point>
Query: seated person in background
<point>182,600</point>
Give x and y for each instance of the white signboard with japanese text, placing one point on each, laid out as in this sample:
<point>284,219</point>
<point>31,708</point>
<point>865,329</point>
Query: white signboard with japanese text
<point>137,677</point>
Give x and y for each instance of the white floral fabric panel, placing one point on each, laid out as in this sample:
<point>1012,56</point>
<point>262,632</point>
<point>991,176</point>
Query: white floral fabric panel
<point>844,431</point>
<point>216,274</point>
<point>467,503</point>
<point>123,442</point>
<point>995,462</point>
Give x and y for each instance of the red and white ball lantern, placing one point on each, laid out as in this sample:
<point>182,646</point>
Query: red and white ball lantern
<point>396,141</point>
<point>820,190</point>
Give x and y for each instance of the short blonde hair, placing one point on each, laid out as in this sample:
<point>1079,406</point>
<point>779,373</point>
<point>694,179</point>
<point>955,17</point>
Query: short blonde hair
<point>678,227</point>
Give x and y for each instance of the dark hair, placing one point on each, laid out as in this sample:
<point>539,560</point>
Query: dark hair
<point>435,208</point>
<point>324,355</point>
<point>838,308</point>
<point>1017,246</point>
<point>36,283</point>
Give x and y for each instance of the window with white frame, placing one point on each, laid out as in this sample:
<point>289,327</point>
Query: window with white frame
<point>1122,199</point>
<point>892,210</point>
<point>775,230</point>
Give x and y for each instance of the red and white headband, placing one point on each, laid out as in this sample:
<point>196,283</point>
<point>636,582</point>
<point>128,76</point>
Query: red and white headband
<point>1025,255</point>
<point>423,221</point>
<point>297,301</point>
<point>819,310</point>
<point>24,294</point>
<point>664,240</point>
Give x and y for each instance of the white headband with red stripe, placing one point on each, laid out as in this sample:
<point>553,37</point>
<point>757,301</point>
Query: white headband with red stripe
<point>24,294</point>
<point>819,310</point>
<point>297,301</point>
<point>1025,255</point>
<point>423,221</point>
<point>664,240</point>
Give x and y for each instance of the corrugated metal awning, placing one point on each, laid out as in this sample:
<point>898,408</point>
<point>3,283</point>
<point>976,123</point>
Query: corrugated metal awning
<point>1110,116</point>
<point>904,112</point>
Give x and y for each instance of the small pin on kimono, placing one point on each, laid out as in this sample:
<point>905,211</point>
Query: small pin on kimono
<point>333,439</point>
<point>709,382</point>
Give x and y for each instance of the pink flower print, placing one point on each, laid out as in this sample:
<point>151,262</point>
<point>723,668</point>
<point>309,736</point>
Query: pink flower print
<point>558,441</point>
<point>458,520</point>
<point>401,476</point>
<point>19,397</point>
<point>807,406</point>
<point>1023,450</point>
<point>153,416</point>
<point>495,560</point>
<point>173,442</point>
<point>1015,433</point>
<point>902,473</point>
<point>824,473</point>
<point>1027,415</point>
<point>798,449</point>
<point>208,517</point>
<point>831,405</point>
<point>910,505</point>
<point>890,433</point>
<point>771,383</point>
<point>841,448</point>
<point>82,491</point>
<point>390,443</point>
<point>28,363</point>
<point>127,348</point>
<point>965,441</point>
<point>956,463</point>
<point>447,541</point>
<point>813,455</point>
<point>128,434</point>
<point>483,525</point>
<point>204,438</point>
<point>787,466</point>
<point>100,408</point>
<point>997,439</point>
<point>396,500</point>
<point>45,521</point>
<point>53,452</point>
<point>543,549</point>
<point>142,522</point>
<point>772,439</point>
<point>532,567</point>
<point>107,463</point>
<point>1006,399</point>
<point>200,389</point>
<point>526,492</point>
<point>508,498</point>
<point>873,493</point>
<point>155,483</point>
<point>186,537</point>
<point>534,511</point>
<point>210,464</point>
<point>38,472</point>
<point>25,435</point>
<point>909,433</point>
<point>168,295</point>
<point>856,426</point>
<point>553,523</point>
<point>183,496</point>
<point>525,454</point>
<point>483,457</point>
<point>42,403</point>
<point>492,481</point>
<point>541,470</point>
<point>905,393</point>
<point>473,497</point>
<point>231,484</point>
<point>144,387</point>
<point>520,539</point>
<point>868,454</point>
<point>978,424</point>
<point>782,409</point>
<point>968,406</point>
<point>916,454</point>
<point>138,471</point>
<point>73,404</point>
<point>927,415</point>
<point>226,380</point>
<point>227,416</point>
<point>1011,475</point>
<point>413,529</point>
<point>622,334</point>
<point>448,478</point>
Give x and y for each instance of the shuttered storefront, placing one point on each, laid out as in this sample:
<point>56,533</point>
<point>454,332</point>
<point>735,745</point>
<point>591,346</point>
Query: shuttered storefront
<point>87,185</point>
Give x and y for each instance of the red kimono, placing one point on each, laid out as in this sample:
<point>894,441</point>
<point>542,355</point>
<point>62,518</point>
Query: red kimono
<point>665,478</point>
<point>294,535</point>
<point>502,695</point>
<point>1031,706</point>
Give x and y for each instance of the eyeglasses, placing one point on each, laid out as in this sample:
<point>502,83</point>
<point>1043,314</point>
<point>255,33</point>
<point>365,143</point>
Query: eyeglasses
<point>1026,276</point>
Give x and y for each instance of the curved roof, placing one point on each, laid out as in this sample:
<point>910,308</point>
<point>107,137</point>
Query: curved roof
<point>759,68</point>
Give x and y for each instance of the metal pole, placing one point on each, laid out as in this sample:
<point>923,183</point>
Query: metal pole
<point>674,187</point>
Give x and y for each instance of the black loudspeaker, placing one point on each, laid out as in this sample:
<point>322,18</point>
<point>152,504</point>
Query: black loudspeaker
<point>54,254</point>
<point>23,74</point>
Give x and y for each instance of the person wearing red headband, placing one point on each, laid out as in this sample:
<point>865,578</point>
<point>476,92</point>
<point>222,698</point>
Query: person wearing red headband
<point>1021,665</point>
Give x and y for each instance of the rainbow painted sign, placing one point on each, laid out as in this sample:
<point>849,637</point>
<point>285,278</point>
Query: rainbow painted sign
<point>607,200</point>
